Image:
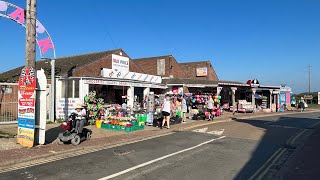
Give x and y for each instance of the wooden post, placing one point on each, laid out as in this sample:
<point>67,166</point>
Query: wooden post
<point>31,34</point>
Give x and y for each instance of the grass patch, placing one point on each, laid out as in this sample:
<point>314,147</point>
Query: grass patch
<point>50,122</point>
<point>6,135</point>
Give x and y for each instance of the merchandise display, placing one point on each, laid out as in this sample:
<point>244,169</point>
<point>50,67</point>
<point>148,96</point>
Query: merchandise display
<point>198,109</point>
<point>113,116</point>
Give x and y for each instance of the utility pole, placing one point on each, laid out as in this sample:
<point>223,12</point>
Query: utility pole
<point>309,69</point>
<point>31,34</point>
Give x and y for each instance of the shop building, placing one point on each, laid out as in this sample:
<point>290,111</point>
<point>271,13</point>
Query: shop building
<point>114,76</point>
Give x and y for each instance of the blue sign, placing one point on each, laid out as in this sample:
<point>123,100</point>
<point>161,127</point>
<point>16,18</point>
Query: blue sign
<point>26,123</point>
<point>282,97</point>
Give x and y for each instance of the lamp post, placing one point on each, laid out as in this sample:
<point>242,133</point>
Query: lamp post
<point>52,89</point>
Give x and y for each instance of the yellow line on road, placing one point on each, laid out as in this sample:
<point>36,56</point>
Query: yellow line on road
<point>265,164</point>
<point>274,160</point>
<point>297,136</point>
<point>315,124</point>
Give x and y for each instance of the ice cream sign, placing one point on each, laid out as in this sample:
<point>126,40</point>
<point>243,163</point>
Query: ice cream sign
<point>17,14</point>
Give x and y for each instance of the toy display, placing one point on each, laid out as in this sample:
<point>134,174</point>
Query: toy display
<point>113,116</point>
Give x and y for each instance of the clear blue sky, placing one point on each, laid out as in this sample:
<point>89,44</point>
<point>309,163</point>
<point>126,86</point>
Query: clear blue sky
<point>271,40</point>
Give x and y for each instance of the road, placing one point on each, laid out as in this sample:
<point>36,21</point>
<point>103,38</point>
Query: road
<point>240,149</point>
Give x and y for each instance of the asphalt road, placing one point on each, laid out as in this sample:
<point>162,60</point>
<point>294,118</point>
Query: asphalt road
<point>240,149</point>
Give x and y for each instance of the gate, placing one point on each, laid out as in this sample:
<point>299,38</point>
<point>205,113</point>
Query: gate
<point>8,103</point>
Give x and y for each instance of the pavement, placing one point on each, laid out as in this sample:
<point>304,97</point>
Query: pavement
<point>17,157</point>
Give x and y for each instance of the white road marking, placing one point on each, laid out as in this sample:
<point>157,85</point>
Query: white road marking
<point>158,159</point>
<point>202,130</point>
<point>74,154</point>
<point>216,132</point>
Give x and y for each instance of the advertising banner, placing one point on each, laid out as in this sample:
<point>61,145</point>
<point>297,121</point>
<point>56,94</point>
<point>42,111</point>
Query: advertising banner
<point>202,71</point>
<point>120,63</point>
<point>65,107</point>
<point>26,107</point>
<point>111,73</point>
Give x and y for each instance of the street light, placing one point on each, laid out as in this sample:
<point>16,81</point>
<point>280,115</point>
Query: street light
<point>52,89</point>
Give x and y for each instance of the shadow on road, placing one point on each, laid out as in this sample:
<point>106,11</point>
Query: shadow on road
<point>277,135</point>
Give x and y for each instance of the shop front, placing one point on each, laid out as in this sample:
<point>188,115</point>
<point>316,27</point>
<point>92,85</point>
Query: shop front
<point>112,91</point>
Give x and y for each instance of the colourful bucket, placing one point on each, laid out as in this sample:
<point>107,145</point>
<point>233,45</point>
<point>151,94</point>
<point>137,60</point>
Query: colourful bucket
<point>98,123</point>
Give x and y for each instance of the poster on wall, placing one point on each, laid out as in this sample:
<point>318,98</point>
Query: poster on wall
<point>282,97</point>
<point>65,106</point>
<point>120,63</point>
<point>202,71</point>
<point>26,107</point>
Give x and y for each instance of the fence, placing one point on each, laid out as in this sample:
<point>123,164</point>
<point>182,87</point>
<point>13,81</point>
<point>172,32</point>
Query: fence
<point>8,103</point>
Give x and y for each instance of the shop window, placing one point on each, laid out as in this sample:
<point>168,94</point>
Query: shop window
<point>76,88</point>
<point>63,89</point>
<point>70,89</point>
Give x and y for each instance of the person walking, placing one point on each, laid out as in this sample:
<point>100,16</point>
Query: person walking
<point>184,109</point>
<point>166,109</point>
<point>210,106</point>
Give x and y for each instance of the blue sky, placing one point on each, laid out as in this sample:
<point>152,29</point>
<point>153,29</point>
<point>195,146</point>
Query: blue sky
<point>271,40</point>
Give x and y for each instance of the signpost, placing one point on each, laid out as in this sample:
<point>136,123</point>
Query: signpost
<point>308,97</point>
<point>318,97</point>
<point>26,107</point>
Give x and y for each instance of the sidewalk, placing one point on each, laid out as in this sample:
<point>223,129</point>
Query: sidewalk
<point>12,153</point>
<point>304,163</point>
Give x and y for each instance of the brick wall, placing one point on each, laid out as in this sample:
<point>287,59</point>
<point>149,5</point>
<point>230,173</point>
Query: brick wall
<point>190,70</point>
<point>172,67</point>
<point>94,69</point>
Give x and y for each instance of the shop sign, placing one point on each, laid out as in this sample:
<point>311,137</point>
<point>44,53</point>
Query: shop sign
<point>117,83</point>
<point>202,71</point>
<point>285,88</point>
<point>65,106</point>
<point>318,97</point>
<point>308,97</point>
<point>120,63</point>
<point>120,74</point>
<point>26,107</point>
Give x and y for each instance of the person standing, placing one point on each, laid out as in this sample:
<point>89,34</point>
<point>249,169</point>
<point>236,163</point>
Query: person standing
<point>210,106</point>
<point>166,109</point>
<point>184,109</point>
